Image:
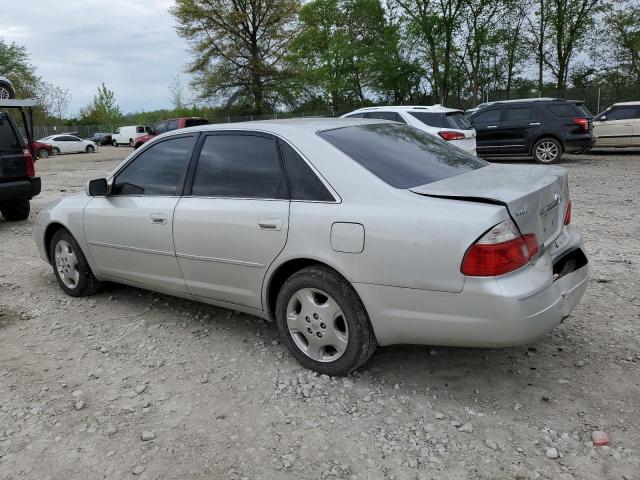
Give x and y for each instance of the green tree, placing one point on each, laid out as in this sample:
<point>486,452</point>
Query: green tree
<point>16,66</point>
<point>103,109</point>
<point>622,26</point>
<point>433,25</point>
<point>238,48</point>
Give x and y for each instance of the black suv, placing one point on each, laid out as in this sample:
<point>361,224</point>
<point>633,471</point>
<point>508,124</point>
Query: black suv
<point>542,128</point>
<point>18,183</point>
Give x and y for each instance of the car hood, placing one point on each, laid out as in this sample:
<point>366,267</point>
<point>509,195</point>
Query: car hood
<point>535,195</point>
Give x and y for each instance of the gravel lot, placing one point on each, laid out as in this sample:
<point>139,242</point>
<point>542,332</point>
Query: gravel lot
<point>131,383</point>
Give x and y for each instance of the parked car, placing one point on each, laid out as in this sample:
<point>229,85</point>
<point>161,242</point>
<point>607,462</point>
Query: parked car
<point>18,181</point>
<point>128,135</point>
<point>101,139</point>
<point>348,233</point>
<point>446,123</point>
<point>168,126</point>
<point>541,128</point>
<point>618,126</point>
<point>41,149</point>
<point>6,89</point>
<point>65,143</point>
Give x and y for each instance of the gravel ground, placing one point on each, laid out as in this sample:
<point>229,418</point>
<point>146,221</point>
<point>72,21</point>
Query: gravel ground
<point>132,383</point>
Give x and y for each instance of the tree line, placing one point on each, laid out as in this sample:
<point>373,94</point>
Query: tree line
<point>258,56</point>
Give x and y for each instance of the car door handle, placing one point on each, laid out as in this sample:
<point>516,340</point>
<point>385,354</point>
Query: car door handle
<point>534,123</point>
<point>158,218</point>
<point>492,126</point>
<point>270,224</point>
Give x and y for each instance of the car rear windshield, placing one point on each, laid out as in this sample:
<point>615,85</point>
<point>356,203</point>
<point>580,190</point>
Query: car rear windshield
<point>443,120</point>
<point>193,122</point>
<point>400,155</point>
<point>9,142</point>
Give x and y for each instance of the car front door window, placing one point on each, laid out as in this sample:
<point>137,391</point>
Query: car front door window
<point>158,170</point>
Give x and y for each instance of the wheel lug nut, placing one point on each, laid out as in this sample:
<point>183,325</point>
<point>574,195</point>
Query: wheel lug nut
<point>323,326</point>
<point>319,334</point>
<point>307,319</point>
<point>309,330</point>
<point>315,315</point>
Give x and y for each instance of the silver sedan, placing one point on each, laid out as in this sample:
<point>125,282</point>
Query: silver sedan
<point>347,233</point>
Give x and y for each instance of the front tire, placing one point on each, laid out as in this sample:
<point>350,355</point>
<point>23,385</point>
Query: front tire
<point>43,153</point>
<point>90,149</point>
<point>16,210</point>
<point>114,143</point>
<point>323,322</point>
<point>70,266</point>
<point>547,151</point>
<point>56,151</point>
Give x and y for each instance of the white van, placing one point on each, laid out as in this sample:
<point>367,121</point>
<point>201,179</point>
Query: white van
<point>127,135</point>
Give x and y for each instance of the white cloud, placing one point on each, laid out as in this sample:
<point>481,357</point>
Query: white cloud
<point>131,45</point>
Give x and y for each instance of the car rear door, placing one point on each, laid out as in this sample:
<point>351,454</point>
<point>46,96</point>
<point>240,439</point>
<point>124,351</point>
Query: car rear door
<point>488,123</point>
<point>130,231</point>
<point>233,220</point>
<point>517,127</point>
<point>12,164</point>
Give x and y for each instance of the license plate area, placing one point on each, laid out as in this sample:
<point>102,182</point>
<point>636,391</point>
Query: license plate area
<point>568,263</point>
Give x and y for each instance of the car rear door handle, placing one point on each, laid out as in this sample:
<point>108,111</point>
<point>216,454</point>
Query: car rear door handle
<point>492,126</point>
<point>534,123</point>
<point>158,218</point>
<point>270,224</point>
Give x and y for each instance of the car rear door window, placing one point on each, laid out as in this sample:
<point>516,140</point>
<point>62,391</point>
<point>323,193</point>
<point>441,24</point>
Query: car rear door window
<point>401,156</point>
<point>621,113</point>
<point>356,115</point>
<point>158,170</point>
<point>564,110</point>
<point>239,166</point>
<point>488,116</point>
<point>458,120</point>
<point>303,182</point>
<point>518,114</point>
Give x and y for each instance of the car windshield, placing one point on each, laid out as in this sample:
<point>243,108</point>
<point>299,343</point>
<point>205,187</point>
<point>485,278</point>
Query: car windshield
<point>402,156</point>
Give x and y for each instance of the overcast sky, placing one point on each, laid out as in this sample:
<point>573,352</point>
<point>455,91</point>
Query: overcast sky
<point>131,45</point>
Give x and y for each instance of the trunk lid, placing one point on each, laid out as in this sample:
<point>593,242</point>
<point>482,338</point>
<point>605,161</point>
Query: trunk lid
<point>535,195</point>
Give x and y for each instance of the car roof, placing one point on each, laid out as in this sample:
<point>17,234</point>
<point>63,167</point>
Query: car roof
<point>632,104</point>
<point>408,108</point>
<point>310,125</point>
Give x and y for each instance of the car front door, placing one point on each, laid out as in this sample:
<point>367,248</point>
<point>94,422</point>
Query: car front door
<point>233,220</point>
<point>487,124</point>
<point>130,231</point>
<point>615,127</point>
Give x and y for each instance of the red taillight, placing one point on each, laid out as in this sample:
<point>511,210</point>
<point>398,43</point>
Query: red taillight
<point>28,163</point>
<point>583,123</point>
<point>567,214</point>
<point>490,256</point>
<point>448,136</point>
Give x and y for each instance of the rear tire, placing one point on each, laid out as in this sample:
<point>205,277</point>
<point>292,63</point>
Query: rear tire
<point>70,266</point>
<point>15,210</point>
<point>56,151</point>
<point>323,322</point>
<point>547,151</point>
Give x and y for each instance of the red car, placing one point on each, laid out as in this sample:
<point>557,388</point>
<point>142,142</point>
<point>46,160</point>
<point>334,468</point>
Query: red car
<point>169,125</point>
<point>42,150</point>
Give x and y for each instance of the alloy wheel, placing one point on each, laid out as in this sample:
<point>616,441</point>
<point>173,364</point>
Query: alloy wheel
<point>67,264</point>
<point>317,325</point>
<point>547,152</point>
<point>4,94</point>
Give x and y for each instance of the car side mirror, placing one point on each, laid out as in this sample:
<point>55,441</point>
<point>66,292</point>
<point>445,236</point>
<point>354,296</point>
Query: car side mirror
<point>603,118</point>
<point>98,187</point>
